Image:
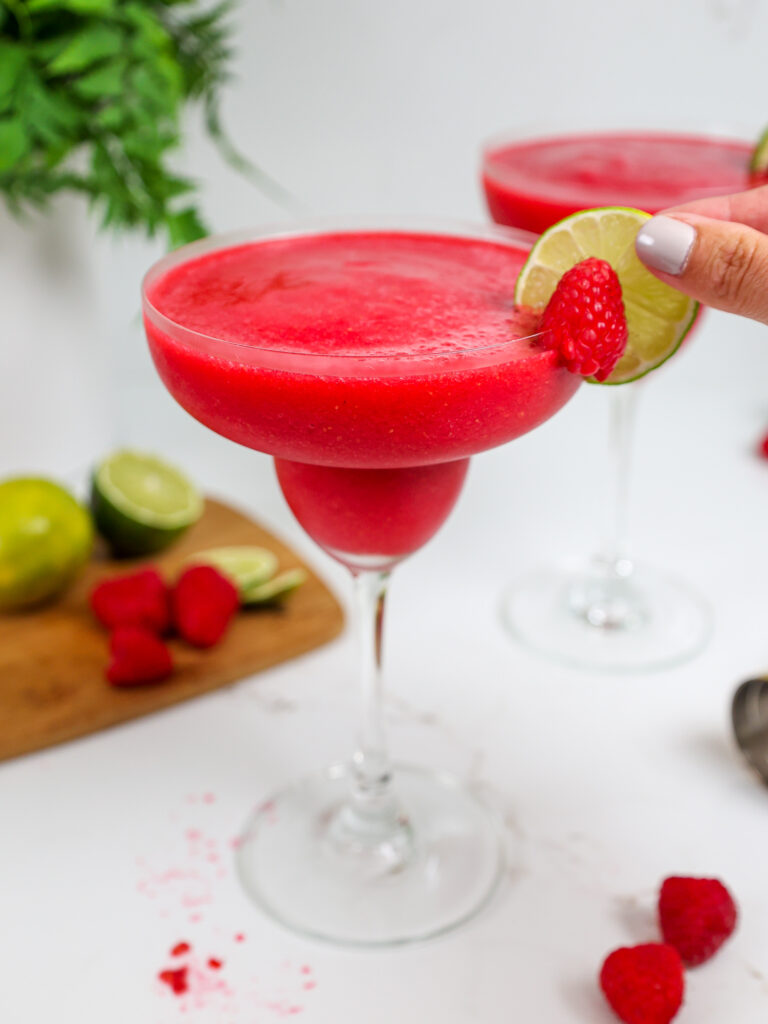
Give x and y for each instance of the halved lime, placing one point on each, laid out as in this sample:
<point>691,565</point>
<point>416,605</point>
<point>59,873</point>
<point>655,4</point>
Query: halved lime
<point>758,165</point>
<point>141,504</point>
<point>45,538</point>
<point>658,317</point>
<point>275,589</point>
<point>245,566</point>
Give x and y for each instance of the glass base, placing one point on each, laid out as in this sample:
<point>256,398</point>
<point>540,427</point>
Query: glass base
<point>603,619</point>
<point>296,861</point>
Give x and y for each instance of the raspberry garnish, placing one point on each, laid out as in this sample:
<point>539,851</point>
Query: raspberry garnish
<point>585,319</point>
<point>696,916</point>
<point>644,984</point>
<point>138,656</point>
<point>203,603</point>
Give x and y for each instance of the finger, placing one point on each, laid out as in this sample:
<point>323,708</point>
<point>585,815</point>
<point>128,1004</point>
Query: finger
<point>720,263</point>
<point>750,208</point>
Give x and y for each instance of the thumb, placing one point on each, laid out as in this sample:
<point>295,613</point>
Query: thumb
<point>720,263</point>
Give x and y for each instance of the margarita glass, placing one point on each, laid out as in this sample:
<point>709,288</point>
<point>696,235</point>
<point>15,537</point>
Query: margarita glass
<point>371,362</point>
<point>611,613</point>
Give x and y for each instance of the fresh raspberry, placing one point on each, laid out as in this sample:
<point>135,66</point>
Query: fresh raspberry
<point>585,319</point>
<point>135,599</point>
<point>696,916</point>
<point>644,984</point>
<point>203,603</point>
<point>138,656</point>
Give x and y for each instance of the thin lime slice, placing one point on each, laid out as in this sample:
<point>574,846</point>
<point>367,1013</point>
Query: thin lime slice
<point>275,589</point>
<point>246,567</point>
<point>658,317</point>
<point>758,165</point>
<point>141,504</point>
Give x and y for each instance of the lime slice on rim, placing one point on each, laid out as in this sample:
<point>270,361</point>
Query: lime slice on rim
<point>658,317</point>
<point>758,165</point>
<point>245,566</point>
<point>141,504</point>
<point>275,589</point>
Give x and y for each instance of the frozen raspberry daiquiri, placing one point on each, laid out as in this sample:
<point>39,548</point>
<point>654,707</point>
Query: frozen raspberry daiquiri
<point>612,613</point>
<point>533,183</point>
<point>372,364</point>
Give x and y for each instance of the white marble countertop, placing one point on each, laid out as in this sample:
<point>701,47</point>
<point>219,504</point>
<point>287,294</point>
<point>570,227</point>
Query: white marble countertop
<point>117,847</point>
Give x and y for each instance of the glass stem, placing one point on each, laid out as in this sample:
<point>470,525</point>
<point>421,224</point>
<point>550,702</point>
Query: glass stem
<point>371,763</point>
<point>616,551</point>
<point>371,823</point>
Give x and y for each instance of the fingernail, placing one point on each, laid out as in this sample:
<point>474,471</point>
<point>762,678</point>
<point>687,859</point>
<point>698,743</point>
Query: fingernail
<point>665,244</point>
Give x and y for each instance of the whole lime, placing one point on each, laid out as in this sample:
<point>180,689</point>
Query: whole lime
<point>45,537</point>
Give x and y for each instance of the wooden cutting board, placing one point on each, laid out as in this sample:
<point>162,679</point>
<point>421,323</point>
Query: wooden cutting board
<point>52,660</point>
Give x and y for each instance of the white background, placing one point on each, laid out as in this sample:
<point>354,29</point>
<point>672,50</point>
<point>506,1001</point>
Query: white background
<point>611,782</point>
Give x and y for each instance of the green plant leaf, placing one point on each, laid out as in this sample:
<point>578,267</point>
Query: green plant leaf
<point>112,117</point>
<point>144,145</point>
<point>185,226</point>
<point>73,6</point>
<point>148,24</point>
<point>50,116</point>
<point>13,62</point>
<point>86,48</point>
<point>14,142</point>
<point>105,82</point>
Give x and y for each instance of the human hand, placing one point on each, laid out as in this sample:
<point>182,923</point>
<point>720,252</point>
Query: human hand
<point>715,250</point>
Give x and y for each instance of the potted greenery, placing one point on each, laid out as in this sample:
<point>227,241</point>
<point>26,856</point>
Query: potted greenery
<point>92,94</point>
<point>91,97</point>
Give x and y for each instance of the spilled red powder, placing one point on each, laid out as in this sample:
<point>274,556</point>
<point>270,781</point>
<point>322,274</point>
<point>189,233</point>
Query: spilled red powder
<point>176,980</point>
<point>284,1009</point>
<point>195,980</point>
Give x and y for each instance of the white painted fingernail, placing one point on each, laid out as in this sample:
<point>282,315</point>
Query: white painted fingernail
<point>665,244</point>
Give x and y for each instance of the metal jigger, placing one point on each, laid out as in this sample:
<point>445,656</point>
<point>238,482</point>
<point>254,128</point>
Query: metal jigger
<point>749,714</point>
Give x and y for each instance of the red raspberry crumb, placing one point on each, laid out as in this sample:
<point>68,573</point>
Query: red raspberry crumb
<point>696,916</point>
<point>644,984</point>
<point>585,319</point>
<point>180,949</point>
<point>175,979</point>
<point>138,656</point>
<point>203,603</point>
<point>135,599</point>
<point>215,964</point>
<point>762,448</point>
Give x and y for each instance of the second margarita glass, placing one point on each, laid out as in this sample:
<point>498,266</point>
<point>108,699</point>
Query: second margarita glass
<point>611,613</point>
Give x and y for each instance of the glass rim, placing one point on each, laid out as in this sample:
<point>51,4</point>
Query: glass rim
<point>532,133</point>
<point>467,230</point>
